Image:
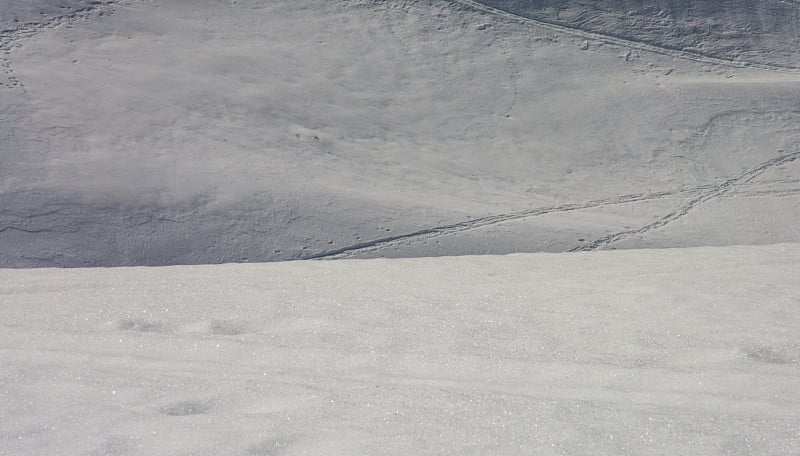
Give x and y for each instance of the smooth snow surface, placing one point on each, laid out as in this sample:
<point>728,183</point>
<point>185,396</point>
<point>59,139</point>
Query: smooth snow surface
<point>164,132</point>
<point>682,351</point>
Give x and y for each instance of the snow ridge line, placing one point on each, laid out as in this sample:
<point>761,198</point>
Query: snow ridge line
<point>716,191</point>
<point>11,38</point>
<point>622,41</point>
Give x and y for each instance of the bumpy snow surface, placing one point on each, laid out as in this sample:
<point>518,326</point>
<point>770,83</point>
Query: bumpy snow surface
<point>164,132</point>
<point>683,351</point>
<point>186,133</point>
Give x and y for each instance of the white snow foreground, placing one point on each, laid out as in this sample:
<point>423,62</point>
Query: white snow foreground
<point>688,351</point>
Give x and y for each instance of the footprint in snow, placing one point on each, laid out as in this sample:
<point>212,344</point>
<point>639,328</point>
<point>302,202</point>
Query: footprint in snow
<point>784,354</point>
<point>226,327</point>
<point>216,327</point>
<point>140,325</point>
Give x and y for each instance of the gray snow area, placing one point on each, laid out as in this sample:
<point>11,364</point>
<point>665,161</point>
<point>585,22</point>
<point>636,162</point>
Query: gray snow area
<point>679,351</point>
<point>168,132</point>
<point>559,227</point>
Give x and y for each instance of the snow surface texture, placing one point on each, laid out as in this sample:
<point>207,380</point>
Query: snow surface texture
<point>681,351</point>
<point>174,132</point>
<point>157,132</point>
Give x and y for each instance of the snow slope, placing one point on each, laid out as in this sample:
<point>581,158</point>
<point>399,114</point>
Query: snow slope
<point>158,132</point>
<point>681,351</point>
<point>172,132</point>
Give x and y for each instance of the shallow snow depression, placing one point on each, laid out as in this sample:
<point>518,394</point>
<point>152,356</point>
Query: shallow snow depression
<point>684,351</point>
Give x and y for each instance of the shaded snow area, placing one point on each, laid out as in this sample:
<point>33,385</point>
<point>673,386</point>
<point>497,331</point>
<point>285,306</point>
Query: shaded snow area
<point>175,132</point>
<point>683,351</point>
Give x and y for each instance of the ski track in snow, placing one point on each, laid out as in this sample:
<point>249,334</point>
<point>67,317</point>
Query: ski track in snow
<point>472,224</point>
<point>624,42</point>
<point>12,38</point>
<point>688,206</point>
<point>700,194</point>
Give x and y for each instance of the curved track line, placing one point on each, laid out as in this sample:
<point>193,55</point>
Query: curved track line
<point>621,41</point>
<point>468,225</point>
<point>716,191</point>
<point>701,194</point>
